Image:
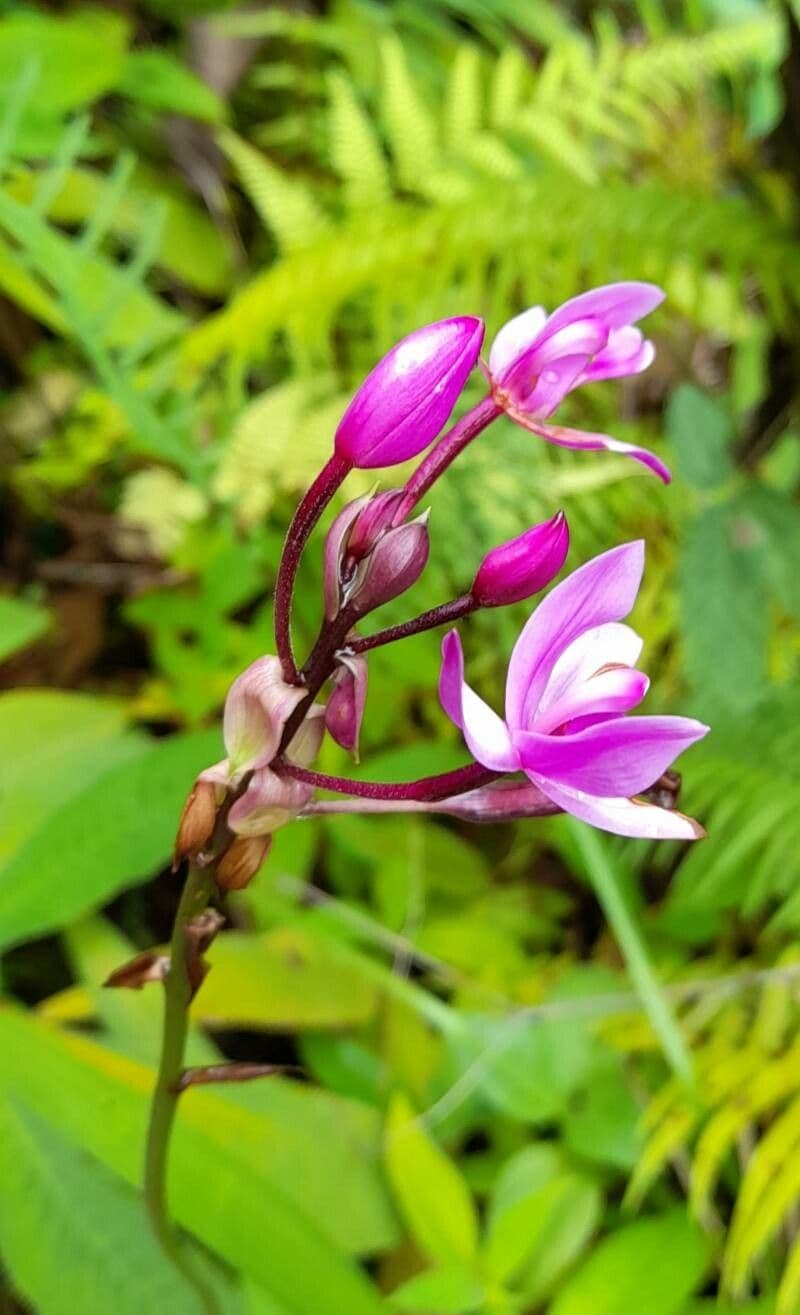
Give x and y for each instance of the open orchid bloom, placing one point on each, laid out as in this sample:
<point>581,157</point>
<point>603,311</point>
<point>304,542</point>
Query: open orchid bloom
<point>536,359</point>
<point>570,681</point>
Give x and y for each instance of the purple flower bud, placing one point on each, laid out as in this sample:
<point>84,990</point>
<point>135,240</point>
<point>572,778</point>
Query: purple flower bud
<point>517,569</point>
<point>408,396</point>
<point>397,562</point>
<point>372,521</point>
<point>335,549</point>
<point>346,704</point>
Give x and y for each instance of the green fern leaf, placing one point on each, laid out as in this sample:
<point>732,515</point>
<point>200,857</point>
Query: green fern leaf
<point>286,206</point>
<point>356,151</point>
<point>410,125</point>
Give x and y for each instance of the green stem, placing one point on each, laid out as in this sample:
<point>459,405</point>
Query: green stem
<point>197,891</point>
<point>605,882</point>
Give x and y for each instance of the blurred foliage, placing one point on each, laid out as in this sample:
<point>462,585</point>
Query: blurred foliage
<point>212,221</point>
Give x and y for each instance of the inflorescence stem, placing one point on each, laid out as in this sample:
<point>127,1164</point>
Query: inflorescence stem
<point>305,518</point>
<point>178,991</point>
<point>437,616</point>
<point>443,453</point>
<point>426,789</point>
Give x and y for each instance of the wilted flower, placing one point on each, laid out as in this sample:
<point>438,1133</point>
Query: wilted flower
<point>258,705</point>
<point>345,708</point>
<point>570,677</point>
<point>408,396</point>
<point>536,359</point>
<point>520,568</point>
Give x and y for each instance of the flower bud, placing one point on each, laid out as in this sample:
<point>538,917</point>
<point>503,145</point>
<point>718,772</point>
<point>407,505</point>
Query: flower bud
<point>372,521</point>
<point>258,705</point>
<point>240,863</point>
<point>197,822</point>
<point>350,540</point>
<point>268,803</point>
<point>396,563</point>
<point>408,396</point>
<point>346,704</point>
<point>517,569</point>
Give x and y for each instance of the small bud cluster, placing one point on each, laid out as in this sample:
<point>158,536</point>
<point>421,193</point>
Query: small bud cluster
<point>560,691</point>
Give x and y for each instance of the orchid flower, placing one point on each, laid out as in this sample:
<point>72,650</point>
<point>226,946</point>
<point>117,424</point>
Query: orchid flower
<point>536,359</point>
<point>571,678</point>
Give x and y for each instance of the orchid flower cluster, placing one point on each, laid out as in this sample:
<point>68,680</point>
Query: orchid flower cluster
<point>565,742</point>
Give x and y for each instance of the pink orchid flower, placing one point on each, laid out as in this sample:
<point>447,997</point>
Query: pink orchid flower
<point>570,679</point>
<point>536,359</point>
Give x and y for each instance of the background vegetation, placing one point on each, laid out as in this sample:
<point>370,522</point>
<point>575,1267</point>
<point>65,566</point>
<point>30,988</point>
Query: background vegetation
<point>211,224</point>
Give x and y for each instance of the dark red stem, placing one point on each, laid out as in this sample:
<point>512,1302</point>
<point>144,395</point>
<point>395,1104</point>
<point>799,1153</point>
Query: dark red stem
<point>427,788</point>
<point>305,518</point>
<point>437,616</point>
<point>445,452</point>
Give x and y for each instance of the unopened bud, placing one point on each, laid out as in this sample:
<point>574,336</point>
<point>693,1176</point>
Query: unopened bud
<point>396,563</point>
<point>350,541</point>
<point>517,569</point>
<point>345,708</point>
<point>408,396</point>
<point>197,822</point>
<point>372,521</point>
<point>240,863</point>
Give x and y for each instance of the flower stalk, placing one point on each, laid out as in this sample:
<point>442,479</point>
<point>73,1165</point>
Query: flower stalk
<point>178,992</point>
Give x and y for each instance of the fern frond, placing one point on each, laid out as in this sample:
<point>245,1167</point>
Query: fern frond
<point>356,152</point>
<point>403,257</point>
<point>410,126</point>
<point>286,205</point>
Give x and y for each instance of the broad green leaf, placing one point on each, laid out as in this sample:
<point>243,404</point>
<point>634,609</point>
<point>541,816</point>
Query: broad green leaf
<point>533,1240</point>
<point>286,979</point>
<point>528,1069</point>
<point>52,745</point>
<point>159,80</point>
<point>452,1291</point>
<point>21,623</point>
<point>116,830</point>
<point>432,1196</point>
<point>724,607</point>
<point>601,1123</point>
<point>700,431</point>
<point>79,56</point>
<point>235,1183</point>
<point>74,1238</point>
<point>652,1265</point>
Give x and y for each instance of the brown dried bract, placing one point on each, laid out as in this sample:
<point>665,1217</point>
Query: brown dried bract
<point>241,862</point>
<point>196,826</point>
<point>199,934</point>
<point>212,1073</point>
<point>151,966</point>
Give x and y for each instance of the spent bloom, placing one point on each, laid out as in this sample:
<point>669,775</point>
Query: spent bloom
<point>570,680</point>
<point>408,396</point>
<point>536,359</point>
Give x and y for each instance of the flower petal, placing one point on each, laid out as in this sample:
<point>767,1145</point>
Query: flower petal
<point>542,376</point>
<point>626,352</point>
<point>581,441</point>
<point>624,817</point>
<point>615,304</point>
<point>486,734</point>
<point>258,705</point>
<point>603,590</point>
<point>621,757</point>
<point>515,337</point>
<point>608,645</point>
<point>609,692</point>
